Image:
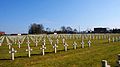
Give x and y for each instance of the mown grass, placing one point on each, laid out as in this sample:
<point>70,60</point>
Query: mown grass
<point>81,57</point>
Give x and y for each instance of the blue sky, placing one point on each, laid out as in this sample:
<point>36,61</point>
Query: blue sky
<point>17,15</point>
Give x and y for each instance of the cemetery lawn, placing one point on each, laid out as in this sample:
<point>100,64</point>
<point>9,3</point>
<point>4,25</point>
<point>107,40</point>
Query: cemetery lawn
<point>81,57</point>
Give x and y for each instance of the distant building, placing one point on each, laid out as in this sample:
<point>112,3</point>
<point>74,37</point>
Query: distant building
<point>2,33</point>
<point>100,30</point>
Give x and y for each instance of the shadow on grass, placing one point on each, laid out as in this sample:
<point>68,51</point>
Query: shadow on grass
<point>21,57</point>
<point>5,59</point>
<point>35,54</point>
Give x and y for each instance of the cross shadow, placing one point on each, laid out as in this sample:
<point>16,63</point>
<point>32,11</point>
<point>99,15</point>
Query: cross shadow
<point>21,56</point>
<point>5,59</point>
<point>36,54</point>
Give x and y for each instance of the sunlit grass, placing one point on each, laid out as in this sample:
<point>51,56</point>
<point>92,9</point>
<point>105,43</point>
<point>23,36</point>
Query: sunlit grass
<point>81,57</point>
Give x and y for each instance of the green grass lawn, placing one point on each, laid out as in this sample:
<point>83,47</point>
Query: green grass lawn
<point>81,57</point>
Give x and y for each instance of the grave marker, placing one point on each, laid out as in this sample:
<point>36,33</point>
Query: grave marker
<point>57,41</point>
<point>51,42</point>
<point>109,40</point>
<point>74,45</point>
<point>43,49</point>
<point>104,63</point>
<point>63,40</point>
<point>113,39</point>
<point>36,43</point>
<point>55,46</point>
<point>65,46</point>
<point>118,60</point>
<point>29,50</point>
<point>82,44</point>
<point>89,43</point>
<point>9,45</point>
<point>28,43</point>
<point>12,53</point>
<point>19,43</point>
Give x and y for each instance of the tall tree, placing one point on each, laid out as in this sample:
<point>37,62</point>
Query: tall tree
<point>69,29</point>
<point>36,29</point>
<point>63,29</point>
<point>75,30</point>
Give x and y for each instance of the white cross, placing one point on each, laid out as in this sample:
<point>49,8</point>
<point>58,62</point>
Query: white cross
<point>104,36</point>
<point>51,42</point>
<point>19,43</point>
<point>89,43</point>
<point>104,63</point>
<point>116,39</point>
<point>44,42</point>
<point>43,49</point>
<point>9,45</point>
<point>55,46</point>
<point>63,40</point>
<point>82,44</point>
<point>29,49</point>
<point>99,37</point>
<point>109,40</point>
<point>15,40</point>
<point>74,45</point>
<point>36,43</point>
<point>28,43</point>
<point>57,41</point>
<point>118,60</point>
<point>90,36</point>
<point>12,53</point>
<point>113,39</point>
<point>93,37</point>
<point>65,46</point>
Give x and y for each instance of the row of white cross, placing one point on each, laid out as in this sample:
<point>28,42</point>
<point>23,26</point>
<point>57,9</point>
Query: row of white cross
<point>37,39</point>
<point>43,48</point>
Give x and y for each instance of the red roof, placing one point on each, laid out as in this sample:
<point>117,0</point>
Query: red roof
<point>2,32</point>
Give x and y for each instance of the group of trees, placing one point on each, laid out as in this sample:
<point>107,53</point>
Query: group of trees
<point>68,30</point>
<point>36,29</point>
<point>39,29</point>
